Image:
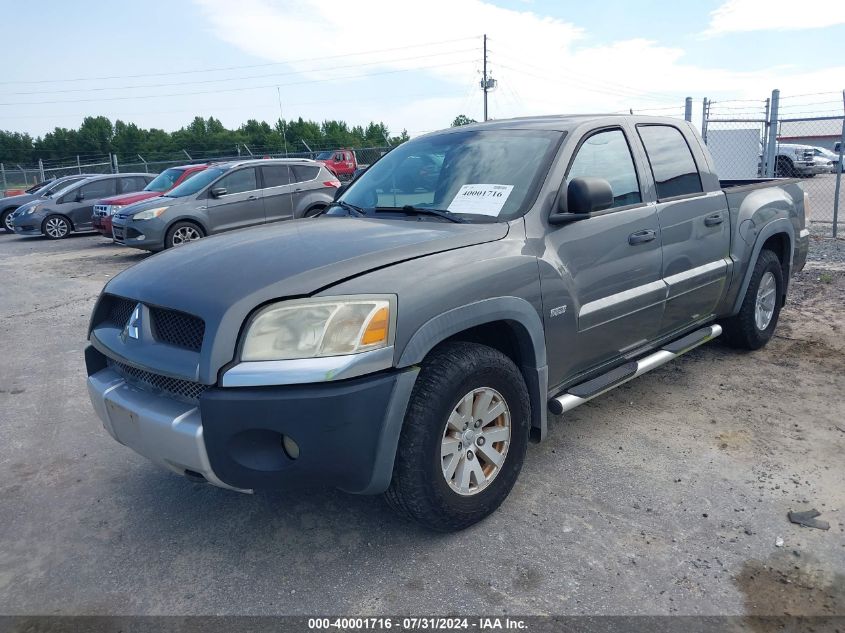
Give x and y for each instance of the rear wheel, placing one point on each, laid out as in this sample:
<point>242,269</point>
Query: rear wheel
<point>755,323</point>
<point>182,233</point>
<point>56,227</point>
<point>464,437</point>
<point>6,220</point>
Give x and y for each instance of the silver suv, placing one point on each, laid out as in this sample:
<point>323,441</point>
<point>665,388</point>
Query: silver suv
<point>227,196</point>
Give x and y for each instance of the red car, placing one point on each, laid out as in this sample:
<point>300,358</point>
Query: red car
<point>341,162</point>
<point>164,182</point>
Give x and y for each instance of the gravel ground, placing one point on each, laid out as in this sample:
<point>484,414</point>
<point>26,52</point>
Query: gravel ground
<point>665,496</point>
<point>826,249</point>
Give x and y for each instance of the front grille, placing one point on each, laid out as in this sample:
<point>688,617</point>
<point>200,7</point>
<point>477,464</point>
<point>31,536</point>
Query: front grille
<point>101,210</point>
<point>120,310</point>
<point>177,328</point>
<point>185,390</point>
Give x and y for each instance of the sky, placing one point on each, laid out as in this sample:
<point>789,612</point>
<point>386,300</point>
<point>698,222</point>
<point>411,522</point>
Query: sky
<point>413,65</point>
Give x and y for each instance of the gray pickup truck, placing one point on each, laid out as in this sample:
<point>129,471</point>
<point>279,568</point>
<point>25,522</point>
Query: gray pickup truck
<point>411,340</point>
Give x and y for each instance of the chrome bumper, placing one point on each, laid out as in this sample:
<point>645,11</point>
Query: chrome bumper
<point>165,431</point>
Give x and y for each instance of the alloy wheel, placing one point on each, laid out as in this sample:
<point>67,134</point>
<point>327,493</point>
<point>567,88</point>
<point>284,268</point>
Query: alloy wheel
<point>56,227</point>
<point>764,306</point>
<point>475,441</point>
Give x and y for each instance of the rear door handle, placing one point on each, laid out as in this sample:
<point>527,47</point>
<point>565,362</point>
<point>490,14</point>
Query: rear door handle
<point>713,220</point>
<point>253,198</point>
<point>640,237</point>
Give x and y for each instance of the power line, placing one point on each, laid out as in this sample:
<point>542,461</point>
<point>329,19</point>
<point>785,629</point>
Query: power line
<point>239,89</point>
<point>225,68</point>
<point>262,76</point>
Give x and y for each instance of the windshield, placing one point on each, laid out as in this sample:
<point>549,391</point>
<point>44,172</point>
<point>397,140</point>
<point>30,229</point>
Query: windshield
<point>476,174</point>
<point>165,180</point>
<point>325,156</point>
<point>196,183</point>
<point>58,185</point>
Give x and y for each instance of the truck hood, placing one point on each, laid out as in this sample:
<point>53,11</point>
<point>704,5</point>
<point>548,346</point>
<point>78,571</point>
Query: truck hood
<point>222,279</point>
<point>125,199</point>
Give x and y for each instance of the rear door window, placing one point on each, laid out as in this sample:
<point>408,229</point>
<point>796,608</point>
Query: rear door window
<point>606,155</point>
<point>672,164</point>
<point>304,173</point>
<point>275,175</point>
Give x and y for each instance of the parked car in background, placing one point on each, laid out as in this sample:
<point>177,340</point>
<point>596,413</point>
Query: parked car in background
<point>341,162</point>
<point>793,160</point>
<point>224,197</point>
<point>164,182</point>
<point>410,342</point>
<point>836,164</point>
<point>43,190</point>
<point>69,209</point>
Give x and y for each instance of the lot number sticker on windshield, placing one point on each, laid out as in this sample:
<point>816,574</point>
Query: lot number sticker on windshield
<point>480,199</point>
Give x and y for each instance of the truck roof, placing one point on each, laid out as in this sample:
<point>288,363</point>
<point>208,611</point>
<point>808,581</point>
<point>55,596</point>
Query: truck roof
<point>557,122</point>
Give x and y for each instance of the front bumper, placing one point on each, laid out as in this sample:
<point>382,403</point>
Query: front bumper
<point>102,224</point>
<point>147,235</point>
<point>346,432</point>
<point>27,229</point>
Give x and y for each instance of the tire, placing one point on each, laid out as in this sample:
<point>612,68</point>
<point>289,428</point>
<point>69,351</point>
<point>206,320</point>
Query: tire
<point>182,233</point>
<point>453,372</point>
<point>56,227</point>
<point>784,168</point>
<point>5,220</point>
<point>310,213</point>
<point>744,330</point>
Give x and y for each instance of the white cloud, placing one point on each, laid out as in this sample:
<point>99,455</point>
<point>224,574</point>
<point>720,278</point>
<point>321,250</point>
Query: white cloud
<point>543,65</point>
<point>775,15</point>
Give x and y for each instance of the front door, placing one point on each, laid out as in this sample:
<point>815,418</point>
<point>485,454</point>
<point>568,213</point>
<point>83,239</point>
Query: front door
<point>81,211</point>
<point>694,226</point>
<point>240,206</point>
<point>605,297</point>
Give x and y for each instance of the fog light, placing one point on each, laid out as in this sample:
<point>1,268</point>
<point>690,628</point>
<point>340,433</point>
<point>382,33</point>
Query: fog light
<point>291,447</point>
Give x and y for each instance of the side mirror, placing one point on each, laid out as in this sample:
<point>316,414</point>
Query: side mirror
<point>216,192</point>
<point>582,197</point>
<point>340,191</point>
<point>80,196</point>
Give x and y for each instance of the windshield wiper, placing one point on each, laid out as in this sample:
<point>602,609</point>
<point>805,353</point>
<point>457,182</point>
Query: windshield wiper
<point>412,210</point>
<point>352,209</point>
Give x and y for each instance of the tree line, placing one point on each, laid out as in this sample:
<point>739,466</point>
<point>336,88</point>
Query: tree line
<point>98,136</point>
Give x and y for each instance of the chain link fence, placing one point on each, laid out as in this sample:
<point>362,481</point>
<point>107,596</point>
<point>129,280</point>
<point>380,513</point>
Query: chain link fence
<point>790,136</point>
<point>14,177</point>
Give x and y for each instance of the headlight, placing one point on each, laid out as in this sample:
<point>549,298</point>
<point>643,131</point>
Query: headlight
<point>149,214</point>
<point>114,208</point>
<point>311,328</point>
<point>31,210</point>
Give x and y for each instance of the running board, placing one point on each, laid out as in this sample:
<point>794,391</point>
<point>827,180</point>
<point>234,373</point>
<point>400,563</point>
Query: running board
<point>585,391</point>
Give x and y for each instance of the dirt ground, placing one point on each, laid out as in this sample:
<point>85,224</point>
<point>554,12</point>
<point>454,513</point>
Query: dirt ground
<point>668,495</point>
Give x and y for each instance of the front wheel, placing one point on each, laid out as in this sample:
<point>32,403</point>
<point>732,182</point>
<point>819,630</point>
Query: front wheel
<point>464,438</point>
<point>6,221</point>
<point>56,227</point>
<point>182,233</point>
<point>755,323</point>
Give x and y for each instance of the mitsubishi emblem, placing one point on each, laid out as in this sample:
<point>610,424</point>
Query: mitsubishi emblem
<point>133,327</point>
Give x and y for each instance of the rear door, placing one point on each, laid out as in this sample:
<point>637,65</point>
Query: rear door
<point>80,212</point>
<point>242,204</point>
<point>277,192</point>
<point>305,180</point>
<point>694,225</point>
<point>607,288</point>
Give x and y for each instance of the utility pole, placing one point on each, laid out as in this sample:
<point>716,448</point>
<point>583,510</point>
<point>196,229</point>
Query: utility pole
<point>484,77</point>
<point>485,82</point>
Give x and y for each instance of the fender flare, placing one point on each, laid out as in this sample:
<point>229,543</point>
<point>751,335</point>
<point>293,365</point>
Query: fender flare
<point>530,337</point>
<point>781,225</point>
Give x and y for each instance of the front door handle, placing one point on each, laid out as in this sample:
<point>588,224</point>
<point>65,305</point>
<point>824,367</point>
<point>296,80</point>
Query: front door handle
<point>641,237</point>
<point>253,198</point>
<point>713,220</point>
